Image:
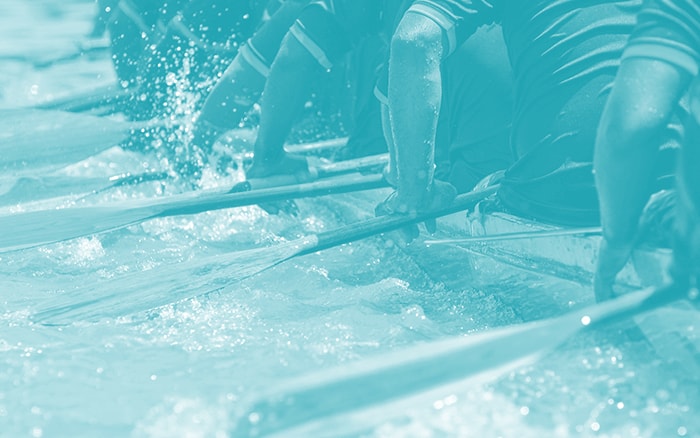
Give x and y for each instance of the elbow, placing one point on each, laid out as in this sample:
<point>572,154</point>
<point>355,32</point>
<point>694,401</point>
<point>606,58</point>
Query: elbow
<point>625,132</point>
<point>417,40</point>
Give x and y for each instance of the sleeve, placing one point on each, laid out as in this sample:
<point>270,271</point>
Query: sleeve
<point>458,19</point>
<point>329,29</point>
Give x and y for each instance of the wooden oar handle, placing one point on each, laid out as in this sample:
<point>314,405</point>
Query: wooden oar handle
<point>273,194</point>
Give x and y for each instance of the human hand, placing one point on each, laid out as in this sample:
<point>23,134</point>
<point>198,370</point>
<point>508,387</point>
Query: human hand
<point>287,206</point>
<point>289,169</point>
<point>439,195</point>
<point>612,257</point>
<point>289,165</point>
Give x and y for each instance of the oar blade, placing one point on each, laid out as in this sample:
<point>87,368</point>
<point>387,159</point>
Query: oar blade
<point>34,140</point>
<point>42,227</point>
<point>104,98</point>
<point>148,290</point>
<point>312,403</point>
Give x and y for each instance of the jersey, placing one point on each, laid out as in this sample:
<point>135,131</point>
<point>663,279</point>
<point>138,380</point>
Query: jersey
<point>565,55</point>
<point>668,30</point>
<point>475,121</point>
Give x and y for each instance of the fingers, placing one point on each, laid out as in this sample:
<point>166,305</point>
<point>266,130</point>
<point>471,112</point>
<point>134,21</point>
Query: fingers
<point>431,226</point>
<point>288,207</point>
<point>611,259</point>
<point>243,186</point>
<point>603,289</point>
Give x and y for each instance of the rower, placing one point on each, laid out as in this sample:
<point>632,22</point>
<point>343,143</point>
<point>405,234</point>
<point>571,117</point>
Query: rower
<point>660,64</point>
<point>241,84</point>
<point>471,138</point>
<point>196,45</point>
<point>564,56</point>
<point>323,34</point>
<point>169,53</point>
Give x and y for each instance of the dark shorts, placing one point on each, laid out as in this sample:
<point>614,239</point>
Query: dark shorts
<point>669,31</point>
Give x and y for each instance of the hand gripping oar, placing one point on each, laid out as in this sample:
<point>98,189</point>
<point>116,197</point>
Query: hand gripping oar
<point>148,290</point>
<point>35,140</point>
<point>327,401</point>
<point>25,230</point>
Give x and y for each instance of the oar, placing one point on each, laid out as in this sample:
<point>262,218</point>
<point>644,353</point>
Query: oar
<point>148,290</point>
<point>313,405</point>
<point>36,140</point>
<point>25,230</point>
<point>322,170</point>
<point>105,96</point>
<point>25,190</point>
<point>89,48</point>
<point>82,49</point>
<point>522,235</point>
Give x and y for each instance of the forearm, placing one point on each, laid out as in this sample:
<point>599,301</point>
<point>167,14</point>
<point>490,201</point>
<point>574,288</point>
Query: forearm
<point>624,174</point>
<point>623,182</point>
<point>233,96</point>
<point>633,126</point>
<point>415,94</point>
<point>288,86</point>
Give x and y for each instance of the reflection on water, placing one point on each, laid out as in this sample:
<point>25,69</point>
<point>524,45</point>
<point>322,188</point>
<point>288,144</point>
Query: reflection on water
<point>191,368</point>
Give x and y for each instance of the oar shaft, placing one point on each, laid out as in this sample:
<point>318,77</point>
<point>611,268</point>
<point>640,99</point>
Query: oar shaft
<point>320,171</point>
<point>274,194</point>
<point>105,96</point>
<point>588,231</point>
<point>379,225</point>
<point>360,386</point>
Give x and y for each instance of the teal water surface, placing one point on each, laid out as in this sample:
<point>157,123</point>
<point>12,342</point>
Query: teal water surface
<point>192,369</point>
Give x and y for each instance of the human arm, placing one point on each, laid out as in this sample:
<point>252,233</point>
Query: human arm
<point>414,97</point>
<point>244,80</point>
<point>631,130</point>
<point>288,86</point>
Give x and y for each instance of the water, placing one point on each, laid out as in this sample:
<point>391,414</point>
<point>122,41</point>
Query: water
<point>193,368</point>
